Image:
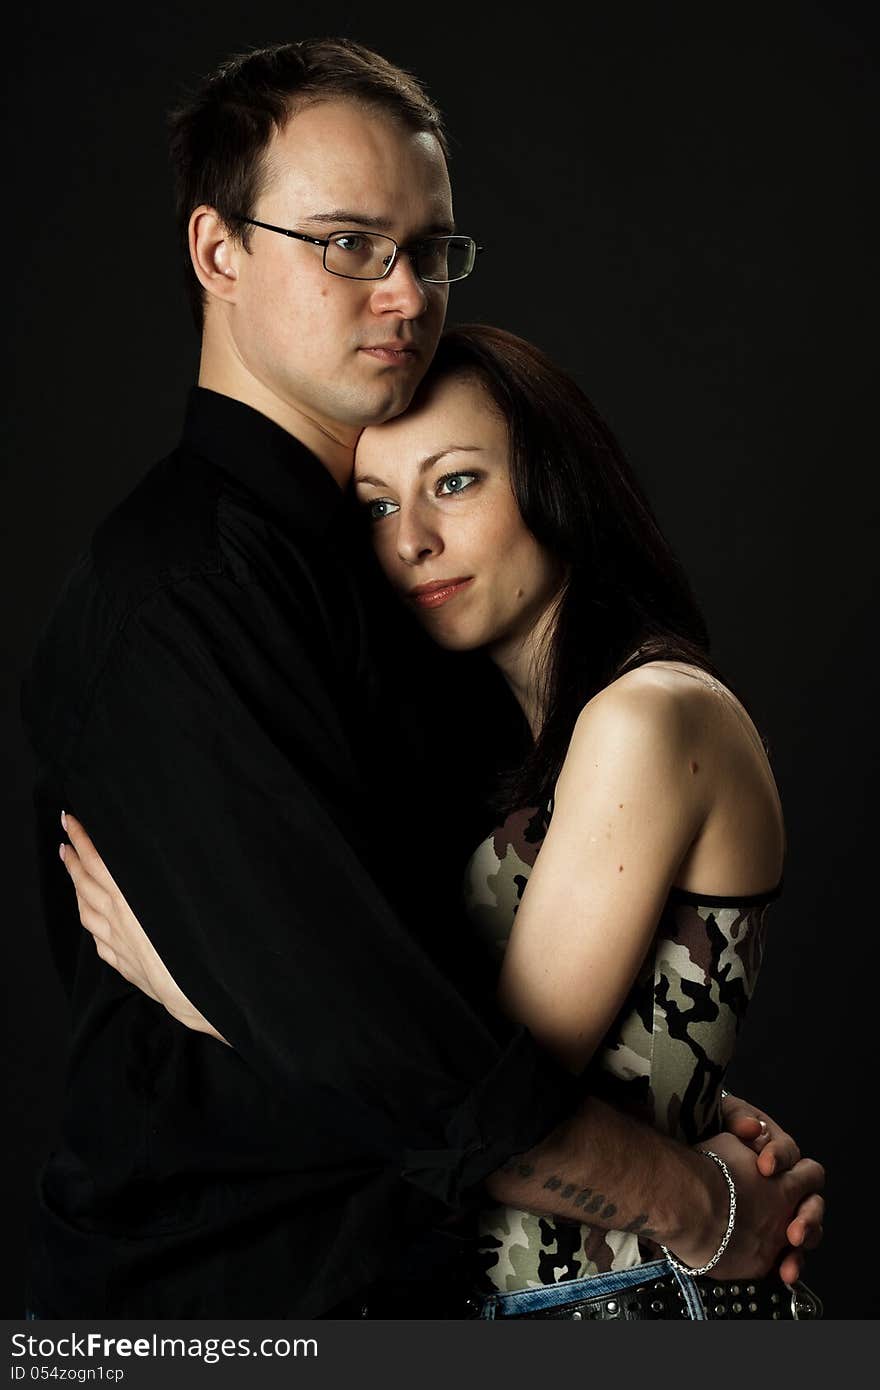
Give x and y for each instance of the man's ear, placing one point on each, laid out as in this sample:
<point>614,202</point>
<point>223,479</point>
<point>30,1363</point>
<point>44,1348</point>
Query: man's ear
<point>214,256</point>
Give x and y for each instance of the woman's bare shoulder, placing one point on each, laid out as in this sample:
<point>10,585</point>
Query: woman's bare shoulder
<point>659,698</point>
<point>647,719</point>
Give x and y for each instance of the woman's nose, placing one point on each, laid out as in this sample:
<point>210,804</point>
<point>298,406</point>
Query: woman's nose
<point>417,539</point>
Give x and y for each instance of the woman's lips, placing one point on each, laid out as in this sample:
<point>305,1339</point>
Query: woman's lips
<point>440,591</point>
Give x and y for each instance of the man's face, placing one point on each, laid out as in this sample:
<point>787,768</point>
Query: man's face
<point>311,338</point>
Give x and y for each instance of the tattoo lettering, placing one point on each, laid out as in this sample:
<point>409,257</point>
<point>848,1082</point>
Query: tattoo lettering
<point>591,1201</point>
<point>587,1198</point>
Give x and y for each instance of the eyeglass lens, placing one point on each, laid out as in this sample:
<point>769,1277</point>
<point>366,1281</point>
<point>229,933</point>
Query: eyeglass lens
<point>367,255</point>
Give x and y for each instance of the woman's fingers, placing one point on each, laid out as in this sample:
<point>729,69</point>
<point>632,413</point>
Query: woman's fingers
<point>119,939</point>
<point>791,1267</point>
<point>94,907</point>
<point>780,1154</point>
<point>749,1130</point>
<point>777,1151</point>
<point>102,933</point>
<point>93,922</point>
<point>86,887</point>
<point>805,1230</point>
<point>88,855</point>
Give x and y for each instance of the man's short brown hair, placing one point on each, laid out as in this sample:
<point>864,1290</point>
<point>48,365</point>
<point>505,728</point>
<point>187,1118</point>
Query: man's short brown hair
<point>220,135</point>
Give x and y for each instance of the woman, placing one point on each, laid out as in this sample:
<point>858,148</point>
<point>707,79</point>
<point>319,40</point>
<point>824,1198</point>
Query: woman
<point>505,516</point>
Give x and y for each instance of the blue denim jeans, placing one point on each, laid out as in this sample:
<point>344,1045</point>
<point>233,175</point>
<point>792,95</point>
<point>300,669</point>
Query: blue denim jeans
<point>513,1305</point>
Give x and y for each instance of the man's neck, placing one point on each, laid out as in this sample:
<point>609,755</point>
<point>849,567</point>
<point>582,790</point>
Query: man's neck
<point>335,451</point>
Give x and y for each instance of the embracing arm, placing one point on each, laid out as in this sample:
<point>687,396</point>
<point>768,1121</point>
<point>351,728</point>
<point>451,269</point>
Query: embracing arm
<point>600,1164</point>
<point>604,1167</point>
<point>216,774</point>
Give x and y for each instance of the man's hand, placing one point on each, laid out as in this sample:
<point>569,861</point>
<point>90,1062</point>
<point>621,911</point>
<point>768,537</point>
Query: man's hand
<point>777,1153</point>
<point>764,1208</point>
<point>119,938</point>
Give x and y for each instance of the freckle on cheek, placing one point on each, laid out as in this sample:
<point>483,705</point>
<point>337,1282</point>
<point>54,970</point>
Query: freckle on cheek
<point>620,868</point>
<point>695,767</point>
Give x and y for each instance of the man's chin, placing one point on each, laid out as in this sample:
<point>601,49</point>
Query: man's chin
<point>390,402</point>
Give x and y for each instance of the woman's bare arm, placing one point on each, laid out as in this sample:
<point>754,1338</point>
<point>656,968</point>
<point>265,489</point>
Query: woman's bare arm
<point>627,810</point>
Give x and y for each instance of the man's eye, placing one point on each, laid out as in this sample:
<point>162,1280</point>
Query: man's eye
<point>454,483</point>
<point>352,242</point>
<point>381,508</point>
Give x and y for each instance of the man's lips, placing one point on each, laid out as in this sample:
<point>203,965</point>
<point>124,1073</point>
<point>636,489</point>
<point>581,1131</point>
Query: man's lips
<point>394,351</point>
<point>438,592</point>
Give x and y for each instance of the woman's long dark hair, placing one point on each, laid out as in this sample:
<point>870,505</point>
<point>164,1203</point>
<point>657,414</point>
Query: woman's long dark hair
<point>625,598</point>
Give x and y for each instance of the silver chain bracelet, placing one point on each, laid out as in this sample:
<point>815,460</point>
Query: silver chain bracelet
<point>731,1222</point>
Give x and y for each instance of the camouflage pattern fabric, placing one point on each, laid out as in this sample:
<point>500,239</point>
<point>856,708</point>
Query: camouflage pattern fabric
<point>663,1059</point>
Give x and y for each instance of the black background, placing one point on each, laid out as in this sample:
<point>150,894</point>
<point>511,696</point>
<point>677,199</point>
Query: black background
<point>676,202</point>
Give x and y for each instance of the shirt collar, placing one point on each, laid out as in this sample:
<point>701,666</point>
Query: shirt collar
<point>270,463</point>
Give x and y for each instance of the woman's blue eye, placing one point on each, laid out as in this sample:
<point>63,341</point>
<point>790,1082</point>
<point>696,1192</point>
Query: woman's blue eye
<point>454,483</point>
<point>381,508</point>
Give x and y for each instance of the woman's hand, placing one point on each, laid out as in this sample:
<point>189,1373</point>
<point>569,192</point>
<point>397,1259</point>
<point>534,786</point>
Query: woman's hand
<point>776,1150</point>
<point>119,938</point>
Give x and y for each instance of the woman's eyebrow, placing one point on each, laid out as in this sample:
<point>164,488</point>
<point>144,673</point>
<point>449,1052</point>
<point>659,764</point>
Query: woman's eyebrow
<point>450,449</point>
<point>426,463</point>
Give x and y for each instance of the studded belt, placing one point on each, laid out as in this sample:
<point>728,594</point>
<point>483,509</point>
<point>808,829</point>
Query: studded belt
<point>721,1299</point>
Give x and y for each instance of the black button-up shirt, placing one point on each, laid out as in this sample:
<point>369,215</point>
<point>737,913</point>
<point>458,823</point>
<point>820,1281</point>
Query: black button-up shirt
<point>208,700</point>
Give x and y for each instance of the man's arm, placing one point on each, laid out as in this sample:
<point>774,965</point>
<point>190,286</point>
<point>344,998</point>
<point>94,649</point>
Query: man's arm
<point>215,772</point>
<point>599,1166</point>
<point>605,1168</point>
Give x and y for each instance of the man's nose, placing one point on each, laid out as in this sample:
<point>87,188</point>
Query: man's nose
<point>417,539</point>
<point>401,292</point>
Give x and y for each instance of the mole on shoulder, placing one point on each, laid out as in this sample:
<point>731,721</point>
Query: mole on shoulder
<point>695,767</point>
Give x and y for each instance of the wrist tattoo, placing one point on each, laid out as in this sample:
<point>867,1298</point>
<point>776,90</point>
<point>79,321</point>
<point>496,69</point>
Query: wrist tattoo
<point>590,1201</point>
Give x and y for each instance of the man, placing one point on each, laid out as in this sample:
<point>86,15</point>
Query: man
<point>208,700</point>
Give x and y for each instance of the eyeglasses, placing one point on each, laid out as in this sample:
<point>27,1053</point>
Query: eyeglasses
<point>369,256</point>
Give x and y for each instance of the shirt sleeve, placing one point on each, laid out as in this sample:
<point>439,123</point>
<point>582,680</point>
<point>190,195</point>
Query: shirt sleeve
<point>216,777</point>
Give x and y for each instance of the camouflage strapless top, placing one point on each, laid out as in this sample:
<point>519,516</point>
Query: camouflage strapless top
<point>663,1059</point>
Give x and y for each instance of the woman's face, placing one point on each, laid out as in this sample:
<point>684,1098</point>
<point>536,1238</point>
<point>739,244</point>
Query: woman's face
<point>445,523</point>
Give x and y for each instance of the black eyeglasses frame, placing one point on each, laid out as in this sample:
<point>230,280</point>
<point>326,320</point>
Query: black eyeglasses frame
<point>398,249</point>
